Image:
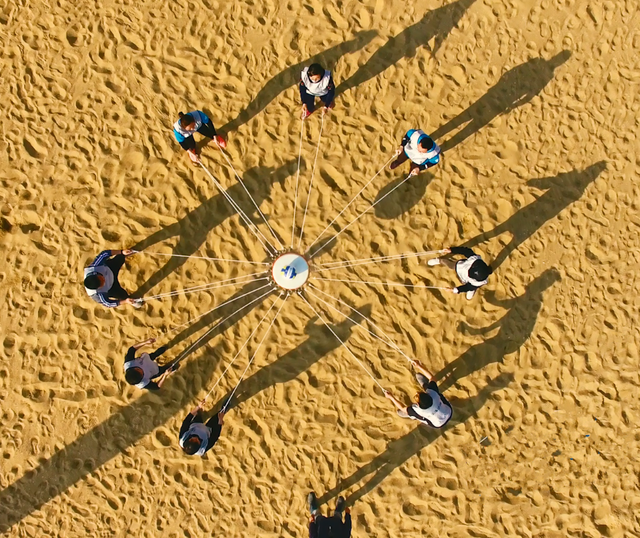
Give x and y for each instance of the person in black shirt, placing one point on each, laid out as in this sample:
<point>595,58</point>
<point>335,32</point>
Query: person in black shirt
<point>472,271</point>
<point>329,527</point>
<point>196,438</point>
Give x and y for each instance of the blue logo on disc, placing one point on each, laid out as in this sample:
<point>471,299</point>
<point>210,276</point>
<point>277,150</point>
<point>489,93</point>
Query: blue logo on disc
<point>289,271</point>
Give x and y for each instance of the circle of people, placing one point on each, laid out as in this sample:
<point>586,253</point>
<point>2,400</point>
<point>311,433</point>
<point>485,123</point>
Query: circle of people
<point>196,437</point>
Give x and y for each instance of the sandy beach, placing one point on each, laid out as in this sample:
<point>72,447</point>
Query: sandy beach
<point>535,106</point>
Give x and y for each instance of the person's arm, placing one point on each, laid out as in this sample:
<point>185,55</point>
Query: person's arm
<point>104,255</point>
<point>420,368</point>
<point>464,288</point>
<point>142,344</point>
<point>303,90</point>
<point>394,400</point>
<point>203,117</point>
<point>215,431</point>
<point>152,385</point>
<point>179,136</point>
<point>462,251</point>
<point>407,137</point>
<point>331,92</point>
<point>131,354</point>
<point>158,351</point>
<point>186,423</point>
<point>105,301</point>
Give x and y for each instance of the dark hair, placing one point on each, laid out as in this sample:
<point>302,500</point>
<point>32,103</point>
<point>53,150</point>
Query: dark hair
<point>315,69</point>
<point>192,445</point>
<point>424,400</point>
<point>133,376</point>
<point>426,142</point>
<point>186,119</point>
<point>92,281</point>
<point>480,270</point>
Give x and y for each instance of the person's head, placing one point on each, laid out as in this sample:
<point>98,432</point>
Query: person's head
<point>480,271</point>
<point>134,375</point>
<point>315,72</point>
<point>426,144</point>
<point>93,281</point>
<point>423,400</point>
<point>186,120</point>
<point>192,445</point>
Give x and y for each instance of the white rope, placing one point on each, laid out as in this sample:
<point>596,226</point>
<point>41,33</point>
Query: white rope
<point>204,287</point>
<point>198,257</point>
<point>343,344</point>
<point>233,299</point>
<point>383,283</point>
<point>226,405</point>
<point>188,350</point>
<point>238,353</point>
<point>367,261</point>
<point>224,154</point>
<point>388,340</point>
<point>313,171</point>
<point>359,216</point>
<point>352,199</point>
<point>295,203</point>
<point>256,231</point>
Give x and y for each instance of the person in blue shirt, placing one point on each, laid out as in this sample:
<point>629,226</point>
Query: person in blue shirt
<point>419,148</point>
<point>101,279</point>
<point>195,122</point>
<point>316,81</point>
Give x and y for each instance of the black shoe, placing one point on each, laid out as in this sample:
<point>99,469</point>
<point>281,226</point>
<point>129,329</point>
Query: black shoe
<point>312,501</point>
<point>340,506</point>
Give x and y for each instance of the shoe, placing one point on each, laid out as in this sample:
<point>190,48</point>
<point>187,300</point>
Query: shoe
<point>137,303</point>
<point>307,113</point>
<point>433,261</point>
<point>470,294</point>
<point>221,141</point>
<point>340,505</point>
<point>312,501</point>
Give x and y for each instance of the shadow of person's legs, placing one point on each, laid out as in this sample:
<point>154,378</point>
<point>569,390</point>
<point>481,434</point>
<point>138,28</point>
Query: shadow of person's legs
<point>398,199</point>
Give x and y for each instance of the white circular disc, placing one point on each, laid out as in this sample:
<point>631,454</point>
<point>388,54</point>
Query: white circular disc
<point>290,271</point>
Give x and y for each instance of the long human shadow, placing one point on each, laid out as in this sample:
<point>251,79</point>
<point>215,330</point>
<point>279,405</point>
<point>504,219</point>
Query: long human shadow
<point>123,429</point>
<point>515,327</point>
<point>515,88</point>
<point>400,450</point>
<point>436,24</point>
<point>193,228</point>
<point>403,198</point>
<point>562,190</point>
<point>321,342</point>
<point>291,75</point>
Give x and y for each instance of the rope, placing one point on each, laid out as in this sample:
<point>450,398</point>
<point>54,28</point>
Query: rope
<point>358,217</point>
<point>313,171</point>
<point>366,261</point>
<point>352,199</point>
<point>383,283</point>
<point>270,249</point>
<point>226,405</point>
<point>388,340</point>
<point>295,203</point>
<point>198,257</point>
<point>343,344</point>
<point>192,321</point>
<point>204,287</point>
<point>224,154</point>
<point>184,353</point>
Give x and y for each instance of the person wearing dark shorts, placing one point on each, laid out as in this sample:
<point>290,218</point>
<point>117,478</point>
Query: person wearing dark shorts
<point>191,123</point>
<point>196,437</point>
<point>472,271</point>
<point>334,526</point>
<point>101,279</point>
<point>143,371</point>
<point>430,407</point>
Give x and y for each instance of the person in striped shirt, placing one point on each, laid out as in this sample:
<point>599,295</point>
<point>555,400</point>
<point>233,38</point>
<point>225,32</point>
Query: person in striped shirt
<point>195,122</point>
<point>101,279</point>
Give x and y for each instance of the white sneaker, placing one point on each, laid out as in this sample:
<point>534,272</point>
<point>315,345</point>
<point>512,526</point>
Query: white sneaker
<point>470,294</point>
<point>433,261</point>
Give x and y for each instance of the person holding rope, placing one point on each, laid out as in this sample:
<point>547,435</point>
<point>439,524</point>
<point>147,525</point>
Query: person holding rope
<point>419,148</point>
<point>321,526</point>
<point>195,122</point>
<point>472,271</point>
<point>316,81</point>
<point>196,438</point>
<point>430,407</point>
<point>101,279</point>
<point>143,371</point>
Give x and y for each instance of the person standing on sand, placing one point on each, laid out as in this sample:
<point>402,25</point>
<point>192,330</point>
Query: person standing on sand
<point>419,148</point>
<point>472,271</point>
<point>101,279</point>
<point>431,407</point>
<point>195,122</point>
<point>316,81</point>
<point>328,527</point>
<point>195,436</point>
<point>143,371</point>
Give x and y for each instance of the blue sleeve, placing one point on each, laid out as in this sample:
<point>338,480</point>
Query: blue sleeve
<point>303,90</point>
<point>407,137</point>
<point>203,117</point>
<point>178,136</point>
<point>332,91</point>
<point>100,258</point>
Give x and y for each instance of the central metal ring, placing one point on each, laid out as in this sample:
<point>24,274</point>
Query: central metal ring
<point>290,271</point>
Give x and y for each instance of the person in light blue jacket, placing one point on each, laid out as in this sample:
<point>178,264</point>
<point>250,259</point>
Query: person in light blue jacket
<point>195,122</point>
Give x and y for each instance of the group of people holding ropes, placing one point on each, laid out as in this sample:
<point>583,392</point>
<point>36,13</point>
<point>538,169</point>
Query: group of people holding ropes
<point>196,436</point>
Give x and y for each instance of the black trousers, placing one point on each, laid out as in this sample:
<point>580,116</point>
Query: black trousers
<point>206,129</point>
<point>116,291</point>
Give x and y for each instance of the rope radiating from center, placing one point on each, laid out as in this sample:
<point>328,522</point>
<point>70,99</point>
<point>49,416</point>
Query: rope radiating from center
<point>295,202</point>
<point>313,170</point>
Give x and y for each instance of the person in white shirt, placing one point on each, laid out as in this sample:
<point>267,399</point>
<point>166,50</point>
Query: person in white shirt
<point>143,371</point>
<point>472,271</point>
<point>430,407</point>
<point>316,81</point>
<point>418,148</point>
